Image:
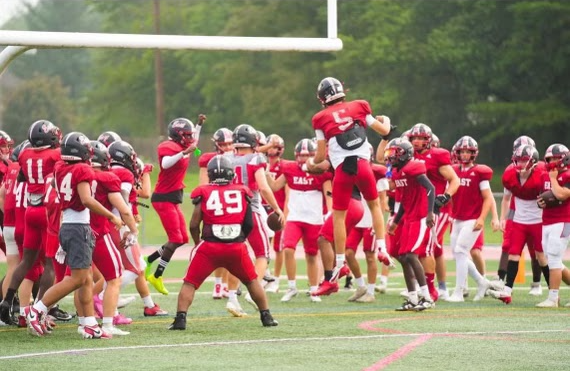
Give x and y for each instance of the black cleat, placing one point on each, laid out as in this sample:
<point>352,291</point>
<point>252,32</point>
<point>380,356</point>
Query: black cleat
<point>6,312</point>
<point>179,322</point>
<point>267,319</point>
<point>59,314</point>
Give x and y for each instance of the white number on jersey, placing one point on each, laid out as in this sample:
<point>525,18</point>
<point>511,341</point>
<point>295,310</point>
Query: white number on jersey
<point>40,179</point>
<point>65,187</point>
<point>19,192</point>
<point>232,202</point>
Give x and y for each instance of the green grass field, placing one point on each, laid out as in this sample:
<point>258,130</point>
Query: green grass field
<point>331,335</point>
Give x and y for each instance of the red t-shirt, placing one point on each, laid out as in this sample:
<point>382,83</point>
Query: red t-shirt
<point>338,118</point>
<point>559,213</point>
<point>10,196</point>
<point>530,189</point>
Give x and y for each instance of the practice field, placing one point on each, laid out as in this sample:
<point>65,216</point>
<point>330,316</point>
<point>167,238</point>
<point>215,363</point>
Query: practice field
<point>331,335</point>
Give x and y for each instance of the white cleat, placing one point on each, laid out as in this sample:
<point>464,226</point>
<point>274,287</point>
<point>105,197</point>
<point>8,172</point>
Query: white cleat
<point>535,289</point>
<point>547,304</point>
<point>290,294</point>
<point>456,297</point>
<point>115,331</point>
<point>272,287</point>
<point>366,298</point>
<point>497,285</point>
<point>404,294</point>
<point>481,290</point>
<point>381,289</point>
<point>443,294</point>
<point>235,309</point>
<point>360,291</point>
<point>315,299</point>
<point>123,302</point>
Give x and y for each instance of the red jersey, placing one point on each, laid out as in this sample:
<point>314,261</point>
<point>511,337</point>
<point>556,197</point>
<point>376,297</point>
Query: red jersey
<point>435,158</point>
<point>560,213</point>
<point>37,164</point>
<point>53,207</point>
<point>530,189</point>
<point>205,158</point>
<point>222,206</point>
<point>338,118</point>
<point>275,171</point>
<point>10,196</point>
<point>67,177</point>
<point>4,165</point>
<point>414,195</point>
<point>104,182</point>
<point>171,179</point>
<point>468,200</point>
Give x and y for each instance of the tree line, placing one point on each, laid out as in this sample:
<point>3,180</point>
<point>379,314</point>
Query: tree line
<point>490,69</point>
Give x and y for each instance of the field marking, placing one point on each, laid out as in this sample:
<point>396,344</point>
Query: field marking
<point>399,353</point>
<point>281,340</point>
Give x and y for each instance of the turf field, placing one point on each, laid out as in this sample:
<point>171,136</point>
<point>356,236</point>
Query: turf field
<point>331,335</point>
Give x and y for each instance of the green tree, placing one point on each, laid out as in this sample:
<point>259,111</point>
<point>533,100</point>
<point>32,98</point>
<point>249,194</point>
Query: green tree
<point>41,97</point>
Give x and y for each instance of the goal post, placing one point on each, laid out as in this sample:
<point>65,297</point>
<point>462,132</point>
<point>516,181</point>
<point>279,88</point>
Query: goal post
<point>20,41</point>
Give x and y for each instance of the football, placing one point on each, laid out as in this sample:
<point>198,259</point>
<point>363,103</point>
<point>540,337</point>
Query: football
<point>273,222</point>
<point>549,199</point>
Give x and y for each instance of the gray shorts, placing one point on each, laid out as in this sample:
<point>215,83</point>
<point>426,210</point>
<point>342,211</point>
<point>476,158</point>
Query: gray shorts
<point>78,242</point>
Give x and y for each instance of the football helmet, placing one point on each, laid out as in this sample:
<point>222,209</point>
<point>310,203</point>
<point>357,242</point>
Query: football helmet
<point>100,156</point>
<point>122,153</point>
<point>466,143</point>
<point>453,155</point>
<point>6,144</point>
<point>330,90</point>
<point>18,149</point>
<point>220,170</point>
<point>75,146</point>
<point>421,131</point>
<point>521,141</point>
<point>261,138</point>
<point>223,140</point>
<point>276,150</point>
<point>305,147</point>
<point>108,137</point>
<point>181,131</point>
<point>525,157</point>
<point>554,154</point>
<point>139,168</point>
<point>245,136</point>
<point>406,135</point>
<point>400,153</point>
<point>435,142</point>
<point>43,133</point>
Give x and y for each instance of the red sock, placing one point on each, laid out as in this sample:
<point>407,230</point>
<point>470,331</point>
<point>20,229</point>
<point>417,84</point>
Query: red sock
<point>430,278</point>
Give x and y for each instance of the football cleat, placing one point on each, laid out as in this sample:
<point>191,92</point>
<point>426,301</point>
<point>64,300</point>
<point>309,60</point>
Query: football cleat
<point>535,289</point>
<point>267,319</point>
<point>115,331</point>
<point>272,287</point>
<point>250,301</point>
<point>154,311</point>
<point>217,293</point>
<point>443,294</point>
<point>456,297</point>
<point>315,299</point>
<point>148,268</point>
<point>547,304</point>
<point>406,306</point>
<point>179,322</point>
<point>121,319</point>
<point>424,304</point>
<point>381,289</point>
<point>34,320</point>
<point>157,283</point>
<point>290,294</point>
<point>95,332</point>
<point>326,288</point>
<point>235,309</point>
<point>366,298</point>
<point>502,295</point>
<point>123,302</point>
<point>360,291</point>
<point>59,314</point>
<point>5,312</point>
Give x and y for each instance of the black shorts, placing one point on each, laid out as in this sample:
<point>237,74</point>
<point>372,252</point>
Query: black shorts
<point>78,243</point>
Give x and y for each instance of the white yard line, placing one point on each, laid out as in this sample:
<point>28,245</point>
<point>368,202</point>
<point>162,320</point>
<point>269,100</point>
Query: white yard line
<point>282,340</point>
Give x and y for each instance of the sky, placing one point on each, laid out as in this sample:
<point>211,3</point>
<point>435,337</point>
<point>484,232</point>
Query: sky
<point>9,8</point>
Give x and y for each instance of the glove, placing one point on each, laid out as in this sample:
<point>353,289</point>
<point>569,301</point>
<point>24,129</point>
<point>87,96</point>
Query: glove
<point>386,259</point>
<point>442,200</point>
<point>148,168</point>
<point>391,134</point>
<point>129,239</point>
<point>60,255</point>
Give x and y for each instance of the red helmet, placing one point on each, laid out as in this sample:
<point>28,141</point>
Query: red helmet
<point>469,144</point>
<point>525,157</point>
<point>421,131</point>
<point>6,144</point>
<point>304,147</point>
